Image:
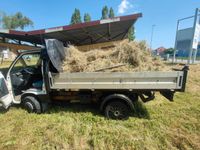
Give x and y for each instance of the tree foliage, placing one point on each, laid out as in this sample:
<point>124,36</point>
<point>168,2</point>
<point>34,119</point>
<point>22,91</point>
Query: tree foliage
<point>131,34</point>
<point>104,12</point>
<point>107,13</point>
<point>1,17</point>
<point>111,13</point>
<point>87,17</point>
<point>76,17</point>
<point>169,51</point>
<point>16,21</point>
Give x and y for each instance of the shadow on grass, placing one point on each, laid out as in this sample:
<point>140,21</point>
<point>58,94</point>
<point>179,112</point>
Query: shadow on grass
<point>140,110</point>
<point>3,110</point>
<point>58,107</point>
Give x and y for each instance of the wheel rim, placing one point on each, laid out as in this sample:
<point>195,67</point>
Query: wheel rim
<point>118,111</point>
<point>29,107</point>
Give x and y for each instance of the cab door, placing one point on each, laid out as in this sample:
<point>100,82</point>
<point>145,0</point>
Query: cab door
<point>6,98</point>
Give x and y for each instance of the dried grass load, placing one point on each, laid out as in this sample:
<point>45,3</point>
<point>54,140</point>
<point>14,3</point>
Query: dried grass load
<point>128,56</point>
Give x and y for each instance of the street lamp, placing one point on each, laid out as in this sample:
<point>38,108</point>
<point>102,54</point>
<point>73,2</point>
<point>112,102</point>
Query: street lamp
<point>177,28</point>
<point>152,33</point>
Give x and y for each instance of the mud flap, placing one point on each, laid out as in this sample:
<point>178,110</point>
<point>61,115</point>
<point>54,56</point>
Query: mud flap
<point>168,95</point>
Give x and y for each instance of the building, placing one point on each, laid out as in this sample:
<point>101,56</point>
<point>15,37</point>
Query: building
<point>160,51</point>
<point>5,53</point>
<point>185,53</point>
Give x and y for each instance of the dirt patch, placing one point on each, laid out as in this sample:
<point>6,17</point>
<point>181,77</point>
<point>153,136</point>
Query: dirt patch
<point>130,56</point>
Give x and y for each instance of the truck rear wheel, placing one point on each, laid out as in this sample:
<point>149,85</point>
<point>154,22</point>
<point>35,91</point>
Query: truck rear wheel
<point>117,110</point>
<point>32,105</point>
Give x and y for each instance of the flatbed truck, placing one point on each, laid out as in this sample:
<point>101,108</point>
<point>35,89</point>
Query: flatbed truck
<point>35,81</point>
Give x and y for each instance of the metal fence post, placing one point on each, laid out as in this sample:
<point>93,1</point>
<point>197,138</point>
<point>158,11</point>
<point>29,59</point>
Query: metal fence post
<point>192,41</point>
<point>175,46</point>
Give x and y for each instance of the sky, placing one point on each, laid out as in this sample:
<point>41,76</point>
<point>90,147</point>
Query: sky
<point>161,13</point>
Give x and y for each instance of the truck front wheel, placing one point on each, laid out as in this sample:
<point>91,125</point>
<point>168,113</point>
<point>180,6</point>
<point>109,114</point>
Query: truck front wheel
<point>32,105</point>
<point>117,110</point>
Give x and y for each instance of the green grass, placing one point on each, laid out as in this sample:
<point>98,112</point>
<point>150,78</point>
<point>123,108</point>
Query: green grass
<point>5,64</point>
<point>159,124</point>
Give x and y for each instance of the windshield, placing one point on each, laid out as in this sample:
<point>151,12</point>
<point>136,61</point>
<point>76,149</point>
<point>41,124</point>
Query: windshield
<point>3,88</point>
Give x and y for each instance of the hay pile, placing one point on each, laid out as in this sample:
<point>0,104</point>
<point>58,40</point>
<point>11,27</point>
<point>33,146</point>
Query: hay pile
<point>130,56</point>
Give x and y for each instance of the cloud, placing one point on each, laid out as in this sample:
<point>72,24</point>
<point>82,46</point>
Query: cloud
<point>124,6</point>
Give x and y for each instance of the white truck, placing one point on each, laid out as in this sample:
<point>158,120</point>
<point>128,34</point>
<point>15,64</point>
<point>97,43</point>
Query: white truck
<point>38,81</point>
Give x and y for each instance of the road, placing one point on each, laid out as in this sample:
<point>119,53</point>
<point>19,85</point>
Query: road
<point>183,61</point>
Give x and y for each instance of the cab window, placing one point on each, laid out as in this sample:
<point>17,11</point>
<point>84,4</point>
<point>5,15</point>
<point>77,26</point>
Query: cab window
<point>31,59</point>
<point>28,60</point>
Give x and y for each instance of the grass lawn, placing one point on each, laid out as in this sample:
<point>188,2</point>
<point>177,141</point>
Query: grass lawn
<point>159,124</point>
<point>5,64</point>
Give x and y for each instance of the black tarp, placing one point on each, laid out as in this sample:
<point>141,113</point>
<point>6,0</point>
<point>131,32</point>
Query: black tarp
<point>56,53</point>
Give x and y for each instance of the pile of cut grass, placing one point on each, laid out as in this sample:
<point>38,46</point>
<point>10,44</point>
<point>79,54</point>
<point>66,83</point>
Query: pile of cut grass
<point>130,56</point>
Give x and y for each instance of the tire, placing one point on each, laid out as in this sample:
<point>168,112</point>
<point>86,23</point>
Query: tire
<point>32,105</point>
<point>117,110</point>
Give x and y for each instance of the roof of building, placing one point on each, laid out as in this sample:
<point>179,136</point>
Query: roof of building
<point>112,29</point>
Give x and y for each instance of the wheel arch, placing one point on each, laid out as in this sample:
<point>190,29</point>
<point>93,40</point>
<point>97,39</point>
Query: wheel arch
<point>29,95</point>
<point>41,96</point>
<point>120,97</point>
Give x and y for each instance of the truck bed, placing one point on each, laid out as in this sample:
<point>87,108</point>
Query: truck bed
<point>118,81</point>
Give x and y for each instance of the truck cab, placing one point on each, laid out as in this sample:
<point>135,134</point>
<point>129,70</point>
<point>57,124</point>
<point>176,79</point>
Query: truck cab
<point>24,77</point>
<point>27,79</point>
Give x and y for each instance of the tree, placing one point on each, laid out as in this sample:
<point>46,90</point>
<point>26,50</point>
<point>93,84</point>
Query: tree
<point>131,34</point>
<point>87,17</point>
<point>111,13</point>
<point>76,17</point>
<point>169,51</point>
<point>1,17</point>
<point>104,12</point>
<point>17,21</point>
